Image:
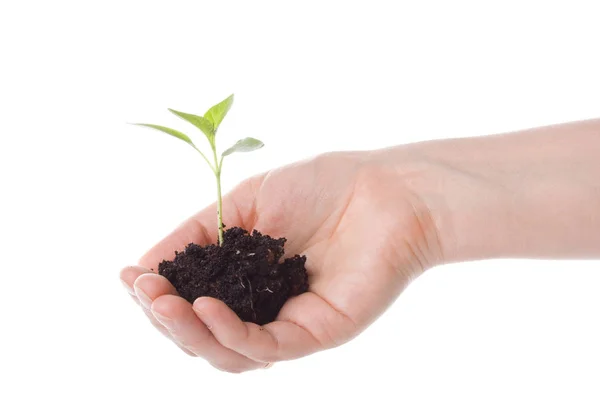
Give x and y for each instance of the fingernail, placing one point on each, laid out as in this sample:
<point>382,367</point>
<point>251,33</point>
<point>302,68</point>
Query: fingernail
<point>167,322</point>
<point>129,288</point>
<point>143,297</point>
<point>202,315</point>
<point>196,306</point>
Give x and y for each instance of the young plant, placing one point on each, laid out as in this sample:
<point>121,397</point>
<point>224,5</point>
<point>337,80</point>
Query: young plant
<point>209,124</point>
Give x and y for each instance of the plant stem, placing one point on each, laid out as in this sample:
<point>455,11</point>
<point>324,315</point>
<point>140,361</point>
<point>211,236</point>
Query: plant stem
<point>219,208</point>
<point>217,171</point>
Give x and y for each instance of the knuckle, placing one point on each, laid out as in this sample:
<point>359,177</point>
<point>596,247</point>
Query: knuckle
<point>232,340</point>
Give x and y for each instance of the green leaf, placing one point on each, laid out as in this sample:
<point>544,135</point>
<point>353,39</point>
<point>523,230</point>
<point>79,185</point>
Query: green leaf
<point>169,131</point>
<point>217,112</point>
<point>199,122</point>
<point>244,145</point>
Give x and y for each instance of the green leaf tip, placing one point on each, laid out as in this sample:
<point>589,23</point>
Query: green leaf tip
<point>199,122</point>
<point>243,146</point>
<point>217,112</point>
<point>169,131</point>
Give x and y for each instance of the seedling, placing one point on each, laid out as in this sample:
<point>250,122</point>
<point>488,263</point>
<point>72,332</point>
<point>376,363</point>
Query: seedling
<point>245,270</point>
<point>209,125</point>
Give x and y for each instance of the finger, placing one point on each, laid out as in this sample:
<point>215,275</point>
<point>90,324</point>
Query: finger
<point>276,341</point>
<point>202,227</point>
<point>128,275</point>
<point>148,287</point>
<point>176,314</point>
<point>162,329</point>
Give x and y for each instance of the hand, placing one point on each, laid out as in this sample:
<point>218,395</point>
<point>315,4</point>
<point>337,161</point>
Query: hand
<point>366,234</point>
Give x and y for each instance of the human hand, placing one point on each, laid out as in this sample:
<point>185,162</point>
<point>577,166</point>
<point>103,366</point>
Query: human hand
<point>370,222</point>
<point>366,234</point>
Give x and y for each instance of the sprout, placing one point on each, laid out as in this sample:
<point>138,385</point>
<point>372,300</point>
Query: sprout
<point>209,124</point>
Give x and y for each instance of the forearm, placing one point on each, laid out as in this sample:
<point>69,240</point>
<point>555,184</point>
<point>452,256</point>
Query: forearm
<point>531,194</point>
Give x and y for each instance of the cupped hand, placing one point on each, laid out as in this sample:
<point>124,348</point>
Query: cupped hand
<point>366,234</point>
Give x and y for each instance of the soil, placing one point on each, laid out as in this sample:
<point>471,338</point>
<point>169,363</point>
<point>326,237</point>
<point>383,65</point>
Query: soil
<point>245,273</point>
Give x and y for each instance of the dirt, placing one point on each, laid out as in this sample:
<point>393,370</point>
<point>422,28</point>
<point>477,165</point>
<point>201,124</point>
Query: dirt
<point>246,273</point>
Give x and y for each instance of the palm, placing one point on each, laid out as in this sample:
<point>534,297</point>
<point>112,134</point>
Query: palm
<point>358,235</point>
<point>363,239</point>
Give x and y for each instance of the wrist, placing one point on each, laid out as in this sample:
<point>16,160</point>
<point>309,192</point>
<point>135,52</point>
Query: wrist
<point>471,201</point>
<point>533,194</point>
<point>470,211</point>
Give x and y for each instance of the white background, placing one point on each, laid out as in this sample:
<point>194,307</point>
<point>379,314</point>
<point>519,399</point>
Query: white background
<point>84,194</point>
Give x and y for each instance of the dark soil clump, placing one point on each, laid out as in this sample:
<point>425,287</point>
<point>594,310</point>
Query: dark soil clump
<point>245,273</point>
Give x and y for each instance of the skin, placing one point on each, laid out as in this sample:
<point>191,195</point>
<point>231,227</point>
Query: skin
<point>371,222</point>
